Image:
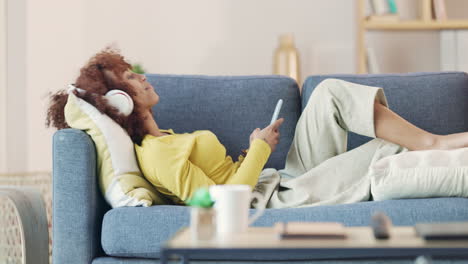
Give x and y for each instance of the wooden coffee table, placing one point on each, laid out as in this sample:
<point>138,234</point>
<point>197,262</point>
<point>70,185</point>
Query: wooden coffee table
<point>360,243</point>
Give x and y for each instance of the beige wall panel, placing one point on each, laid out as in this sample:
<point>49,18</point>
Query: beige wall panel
<point>54,53</point>
<point>17,126</point>
<point>3,83</point>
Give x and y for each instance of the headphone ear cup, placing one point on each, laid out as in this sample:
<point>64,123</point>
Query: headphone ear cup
<point>120,100</point>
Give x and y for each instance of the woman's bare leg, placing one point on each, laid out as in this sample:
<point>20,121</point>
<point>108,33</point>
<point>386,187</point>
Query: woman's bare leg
<point>395,129</point>
<point>336,107</point>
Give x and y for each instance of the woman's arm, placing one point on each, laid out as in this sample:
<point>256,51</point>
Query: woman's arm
<point>262,143</point>
<point>252,165</point>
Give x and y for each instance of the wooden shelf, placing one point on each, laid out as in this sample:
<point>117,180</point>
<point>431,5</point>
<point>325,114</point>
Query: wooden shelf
<point>424,22</point>
<point>415,25</point>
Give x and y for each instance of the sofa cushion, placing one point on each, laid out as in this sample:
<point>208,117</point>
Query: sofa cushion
<point>436,102</point>
<point>231,107</point>
<point>420,174</point>
<point>139,232</point>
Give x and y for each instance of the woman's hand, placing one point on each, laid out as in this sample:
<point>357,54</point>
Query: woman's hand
<point>269,134</point>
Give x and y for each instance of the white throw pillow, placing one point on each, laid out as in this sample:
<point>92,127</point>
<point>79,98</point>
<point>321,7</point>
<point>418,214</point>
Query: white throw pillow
<point>120,179</point>
<point>421,174</point>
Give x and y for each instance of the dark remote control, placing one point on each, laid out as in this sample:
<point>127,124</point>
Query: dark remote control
<point>381,225</point>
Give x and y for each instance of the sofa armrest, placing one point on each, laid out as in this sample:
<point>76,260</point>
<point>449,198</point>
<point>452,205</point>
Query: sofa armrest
<point>28,206</point>
<point>78,206</point>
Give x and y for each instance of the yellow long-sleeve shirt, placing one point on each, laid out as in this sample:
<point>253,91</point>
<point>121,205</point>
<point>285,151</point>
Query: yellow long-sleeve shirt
<point>178,164</point>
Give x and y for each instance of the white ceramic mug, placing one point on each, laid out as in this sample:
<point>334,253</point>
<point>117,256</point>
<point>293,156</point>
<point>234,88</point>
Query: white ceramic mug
<point>232,203</point>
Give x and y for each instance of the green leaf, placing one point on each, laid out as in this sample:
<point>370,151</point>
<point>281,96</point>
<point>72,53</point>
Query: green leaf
<point>201,198</point>
<point>137,68</point>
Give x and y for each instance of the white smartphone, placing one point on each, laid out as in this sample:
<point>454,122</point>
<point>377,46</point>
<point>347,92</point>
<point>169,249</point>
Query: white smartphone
<point>277,111</point>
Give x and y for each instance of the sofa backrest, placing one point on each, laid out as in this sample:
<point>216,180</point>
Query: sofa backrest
<point>436,102</point>
<point>231,107</point>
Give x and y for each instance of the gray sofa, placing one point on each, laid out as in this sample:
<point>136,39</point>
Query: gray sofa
<point>86,230</point>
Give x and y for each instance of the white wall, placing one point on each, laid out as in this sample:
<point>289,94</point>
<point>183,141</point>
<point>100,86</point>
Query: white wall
<point>55,51</point>
<point>225,36</point>
<point>3,84</point>
<point>216,37</point>
<point>16,108</point>
<point>185,37</point>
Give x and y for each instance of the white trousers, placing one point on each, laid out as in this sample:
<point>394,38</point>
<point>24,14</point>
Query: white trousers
<point>318,168</point>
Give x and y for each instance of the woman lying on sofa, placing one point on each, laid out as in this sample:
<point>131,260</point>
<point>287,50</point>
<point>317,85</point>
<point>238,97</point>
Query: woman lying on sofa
<point>317,156</point>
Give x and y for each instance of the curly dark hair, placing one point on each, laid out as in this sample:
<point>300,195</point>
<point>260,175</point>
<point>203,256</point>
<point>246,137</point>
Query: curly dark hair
<point>96,79</point>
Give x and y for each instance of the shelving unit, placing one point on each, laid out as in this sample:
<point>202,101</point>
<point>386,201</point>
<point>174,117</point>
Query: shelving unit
<point>365,25</point>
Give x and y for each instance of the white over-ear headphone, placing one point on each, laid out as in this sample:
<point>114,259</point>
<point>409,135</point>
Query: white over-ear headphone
<point>116,98</point>
<point>120,100</point>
